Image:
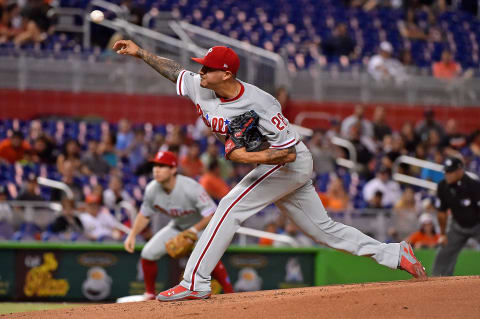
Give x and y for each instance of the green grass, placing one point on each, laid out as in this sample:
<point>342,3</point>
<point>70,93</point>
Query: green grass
<point>9,307</point>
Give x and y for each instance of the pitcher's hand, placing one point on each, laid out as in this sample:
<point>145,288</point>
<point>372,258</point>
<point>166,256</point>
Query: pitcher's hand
<point>126,47</point>
<point>129,244</point>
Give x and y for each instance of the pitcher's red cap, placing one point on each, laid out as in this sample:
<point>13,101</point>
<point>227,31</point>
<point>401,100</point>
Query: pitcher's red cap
<point>220,58</point>
<point>166,158</point>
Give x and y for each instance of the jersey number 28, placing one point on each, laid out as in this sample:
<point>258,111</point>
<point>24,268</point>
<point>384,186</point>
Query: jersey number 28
<point>279,121</point>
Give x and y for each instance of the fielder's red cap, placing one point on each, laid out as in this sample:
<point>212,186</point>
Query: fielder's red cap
<point>220,58</point>
<point>166,158</point>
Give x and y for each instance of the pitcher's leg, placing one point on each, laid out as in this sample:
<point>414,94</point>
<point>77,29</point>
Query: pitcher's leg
<point>239,204</point>
<point>307,211</point>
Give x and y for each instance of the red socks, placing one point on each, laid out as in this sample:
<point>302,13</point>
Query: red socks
<point>221,275</point>
<point>150,270</point>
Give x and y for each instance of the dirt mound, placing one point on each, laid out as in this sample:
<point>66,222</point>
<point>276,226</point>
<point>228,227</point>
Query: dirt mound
<point>453,297</point>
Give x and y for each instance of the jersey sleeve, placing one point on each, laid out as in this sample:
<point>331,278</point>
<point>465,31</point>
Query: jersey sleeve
<point>276,128</point>
<point>187,84</point>
<point>203,202</point>
<point>147,209</point>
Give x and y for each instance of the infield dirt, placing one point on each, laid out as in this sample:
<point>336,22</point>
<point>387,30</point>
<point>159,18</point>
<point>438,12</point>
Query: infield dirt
<point>453,297</point>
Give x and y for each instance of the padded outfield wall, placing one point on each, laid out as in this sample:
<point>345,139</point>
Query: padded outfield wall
<point>102,272</point>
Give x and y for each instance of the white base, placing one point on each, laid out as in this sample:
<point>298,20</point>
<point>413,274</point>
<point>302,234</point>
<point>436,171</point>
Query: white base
<point>134,298</point>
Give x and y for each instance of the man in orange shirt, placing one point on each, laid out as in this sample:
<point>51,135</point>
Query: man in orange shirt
<point>190,164</point>
<point>14,148</point>
<point>213,183</point>
<point>447,68</point>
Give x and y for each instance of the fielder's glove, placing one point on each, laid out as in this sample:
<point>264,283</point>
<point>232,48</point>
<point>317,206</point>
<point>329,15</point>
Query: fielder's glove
<point>182,244</point>
<point>243,132</point>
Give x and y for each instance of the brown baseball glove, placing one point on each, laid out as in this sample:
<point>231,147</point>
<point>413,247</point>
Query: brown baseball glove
<point>182,244</point>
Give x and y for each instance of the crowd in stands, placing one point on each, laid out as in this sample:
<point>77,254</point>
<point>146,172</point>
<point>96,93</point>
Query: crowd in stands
<point>106,164</point>
<point>387,37</point>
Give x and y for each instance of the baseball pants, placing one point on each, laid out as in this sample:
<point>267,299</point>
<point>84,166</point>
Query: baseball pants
<point>290,188</point>
<point>447,255</point>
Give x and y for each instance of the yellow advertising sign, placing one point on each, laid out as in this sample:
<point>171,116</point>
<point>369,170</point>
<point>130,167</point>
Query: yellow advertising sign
<point>40,282</point>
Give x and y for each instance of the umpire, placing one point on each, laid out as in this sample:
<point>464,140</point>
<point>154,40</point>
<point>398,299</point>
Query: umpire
<point>460,194</point>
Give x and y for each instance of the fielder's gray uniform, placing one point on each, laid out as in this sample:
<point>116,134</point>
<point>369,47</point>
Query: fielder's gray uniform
<point>288,186</point>
<point>187,204</point>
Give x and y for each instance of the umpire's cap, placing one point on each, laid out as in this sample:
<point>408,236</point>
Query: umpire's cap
<point>166,158</point>
<point>452,163</point>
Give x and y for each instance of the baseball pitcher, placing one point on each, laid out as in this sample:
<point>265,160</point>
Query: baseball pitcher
<point>244,116</point>
<point>189,206</point>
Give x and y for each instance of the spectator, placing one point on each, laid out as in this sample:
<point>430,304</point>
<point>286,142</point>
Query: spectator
<point>71,153</point>
<point>125,138</point>
<point>406,211</point>
<point>409,137</point>
<point>429,123</point>
<point>284,99</point>
<point>446,68</point>
<point>93,162</point>
<point>382,183</point>
<point>10,21</point>
<point>14,148</point>
<point>340,43</point>
<point>383,68</point>
<point>68,177</point>
<point>357,116</point>
<point>376,201</point>
<point>323,154</point>
<point>107,149</point>
<point>409,28</point>
<point>380,126</point>
<point>115,193</point>
<point>426,236</point>
<point>336,198</point>
<point>36,23</point>
<point>271,228</point>
<point>43,151</point>
<point>137,152</point>
<point>30,191</point>
<point>191,164</point>
<point>407,202</point>
<point>363,147</point>
<point>67,226</point>
<point>6,215</point>
<point>453,140</point>
<point>98,223</point>
<point>472,153</point>
<point>213,183</point>
<point>212,154</point>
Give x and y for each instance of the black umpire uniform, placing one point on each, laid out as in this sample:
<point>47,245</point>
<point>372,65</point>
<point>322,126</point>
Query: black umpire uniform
<point>460,194</point>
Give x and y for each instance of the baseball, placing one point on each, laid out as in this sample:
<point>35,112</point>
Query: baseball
<point>97,16</point>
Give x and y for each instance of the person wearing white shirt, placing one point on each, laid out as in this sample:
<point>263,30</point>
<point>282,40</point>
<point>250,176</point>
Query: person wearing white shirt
<point>115,193</point>
<point>98,223</point>
<point>382,67</point>
<point>382,183</point>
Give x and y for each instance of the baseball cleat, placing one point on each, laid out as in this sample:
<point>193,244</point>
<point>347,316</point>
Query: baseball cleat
<point>409,263</point>
<point>178,293</point>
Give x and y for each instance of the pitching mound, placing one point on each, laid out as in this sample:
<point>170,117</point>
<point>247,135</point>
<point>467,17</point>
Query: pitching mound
<point>454,297</point>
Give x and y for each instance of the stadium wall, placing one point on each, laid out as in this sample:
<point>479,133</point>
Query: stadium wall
<point>39,271</point>
<point>178,110</point>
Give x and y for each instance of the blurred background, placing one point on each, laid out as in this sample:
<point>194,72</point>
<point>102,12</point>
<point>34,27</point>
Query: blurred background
<point>381,90</point>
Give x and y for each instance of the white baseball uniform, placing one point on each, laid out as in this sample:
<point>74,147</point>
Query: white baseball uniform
<point>186,204</point>
<point>288,186</point>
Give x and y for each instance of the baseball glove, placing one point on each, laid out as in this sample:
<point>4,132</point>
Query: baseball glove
<point>243,132</point>
<point>181,245</point>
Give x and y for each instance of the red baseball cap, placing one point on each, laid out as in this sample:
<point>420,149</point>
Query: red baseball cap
<point>165,157</point>
<point>220,58</point>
